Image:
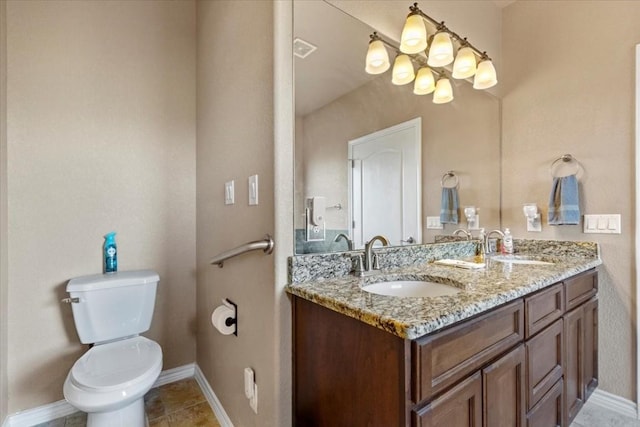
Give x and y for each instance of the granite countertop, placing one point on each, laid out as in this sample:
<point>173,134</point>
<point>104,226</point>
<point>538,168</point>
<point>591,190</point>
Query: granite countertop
<point>411,317</point>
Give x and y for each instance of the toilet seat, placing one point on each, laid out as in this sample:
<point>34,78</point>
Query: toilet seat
<point>117,365</point>
<point>112,375</point>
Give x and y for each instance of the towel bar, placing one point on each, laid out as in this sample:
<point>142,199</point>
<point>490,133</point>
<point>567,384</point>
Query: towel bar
<point>565,158</point>
<point>448,175</point>
<point>266,245</point>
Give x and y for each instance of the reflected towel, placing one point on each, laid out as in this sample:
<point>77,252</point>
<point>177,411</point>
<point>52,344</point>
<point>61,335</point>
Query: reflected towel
<point>449,206</point>
<point>564,206</point>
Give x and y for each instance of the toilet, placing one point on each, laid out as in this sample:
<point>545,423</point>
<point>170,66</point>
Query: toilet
<point>110,380</point>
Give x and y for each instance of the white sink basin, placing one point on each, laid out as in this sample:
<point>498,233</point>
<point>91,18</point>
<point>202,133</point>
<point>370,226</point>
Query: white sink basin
<point>516,259</point>
<point>411,288</point>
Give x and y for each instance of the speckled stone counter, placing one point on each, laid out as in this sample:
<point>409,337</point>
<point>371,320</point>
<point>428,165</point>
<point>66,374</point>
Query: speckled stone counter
<point>325,280</point>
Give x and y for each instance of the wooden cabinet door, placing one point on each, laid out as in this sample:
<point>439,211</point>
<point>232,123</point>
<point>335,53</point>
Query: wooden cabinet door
<point>590,370</point>
<point>573,364</point>
<point>459,407</point>
<point>503,384</point>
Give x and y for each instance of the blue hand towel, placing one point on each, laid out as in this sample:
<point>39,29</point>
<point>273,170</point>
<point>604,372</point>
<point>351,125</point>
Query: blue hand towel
<point>449,206</point>
<point>564,206</point>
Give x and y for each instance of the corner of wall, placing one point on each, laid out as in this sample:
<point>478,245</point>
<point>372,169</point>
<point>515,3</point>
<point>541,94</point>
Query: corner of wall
<point>3,211</point>
<point>283,198</point>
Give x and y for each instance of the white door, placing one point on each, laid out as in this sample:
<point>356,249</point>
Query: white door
<point>385,192</point>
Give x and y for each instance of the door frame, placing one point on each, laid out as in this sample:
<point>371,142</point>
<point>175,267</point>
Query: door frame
<point>414,124</point>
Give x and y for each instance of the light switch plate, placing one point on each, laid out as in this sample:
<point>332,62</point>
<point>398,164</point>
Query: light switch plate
<point>229,193</point>
<point>253,190</point>
<point>433,223</point>
<point>602,224</point>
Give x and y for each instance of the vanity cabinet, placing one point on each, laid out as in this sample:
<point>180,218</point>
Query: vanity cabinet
<point>528,362</point>
<point>581,331</point>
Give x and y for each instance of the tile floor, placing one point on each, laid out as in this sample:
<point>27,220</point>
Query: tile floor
<point>178,404</point>
<point>596,416</point>
<point>182,404</point>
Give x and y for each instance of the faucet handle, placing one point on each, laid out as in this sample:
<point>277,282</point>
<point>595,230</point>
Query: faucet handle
<point>359,264</point>
<point>376,262</point>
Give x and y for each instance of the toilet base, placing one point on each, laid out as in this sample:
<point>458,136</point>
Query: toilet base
<point>130,416</point>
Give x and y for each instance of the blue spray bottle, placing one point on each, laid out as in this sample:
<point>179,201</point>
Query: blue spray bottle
<point>110,253</point>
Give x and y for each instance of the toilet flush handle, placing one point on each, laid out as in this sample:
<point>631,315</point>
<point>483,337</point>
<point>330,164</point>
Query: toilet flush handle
<point>70,300</point>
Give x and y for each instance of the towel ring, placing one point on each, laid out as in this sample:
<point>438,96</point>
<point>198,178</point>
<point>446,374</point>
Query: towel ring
<point>565,158</point>
<point>446,177</point>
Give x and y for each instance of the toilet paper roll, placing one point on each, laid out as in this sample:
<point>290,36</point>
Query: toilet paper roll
<point>219,320</point>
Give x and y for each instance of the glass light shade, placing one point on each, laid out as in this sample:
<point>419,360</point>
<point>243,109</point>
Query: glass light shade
<point>485,75</point>
<point>377,61</point>
<point>441,50</point>
<point>443,92</point>
<point>424,83</point>
<point>402,70</point>
<point>414,35</point>
<point>465,64</point>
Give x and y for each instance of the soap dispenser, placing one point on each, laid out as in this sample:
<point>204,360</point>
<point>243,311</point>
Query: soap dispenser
<point>507,243</point>
<point>479,258</point>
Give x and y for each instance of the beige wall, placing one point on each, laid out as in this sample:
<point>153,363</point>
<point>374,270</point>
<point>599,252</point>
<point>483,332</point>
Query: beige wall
<point>463,136</point>
<point>4,399</point>
<point>101,136</point>
<point>235,140</point>
<point>570,89</point>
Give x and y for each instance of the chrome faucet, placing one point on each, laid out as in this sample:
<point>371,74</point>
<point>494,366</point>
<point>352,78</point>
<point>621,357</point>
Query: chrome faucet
<point>346,239</point>
<point>369,264</point>
<point>463,231</point>
<point>487,245</point>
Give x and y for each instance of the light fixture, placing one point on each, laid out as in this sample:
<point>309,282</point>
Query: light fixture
<point>443,92</point>
<point>441,50</point>
<point>424,84</point>
<point>402,70</point>
<point>377,61</point>
<point>433,53</point>
<point>465,64</point>
<point>414,34</point>
<point>485,75</point>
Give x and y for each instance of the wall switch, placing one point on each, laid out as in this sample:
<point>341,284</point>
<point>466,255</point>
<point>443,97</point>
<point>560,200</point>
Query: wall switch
<point>603,224</point>
<point>253,190</point>
<point>249,382</point>
<point>433,223</point>
<point>229,193</point>
<point>253,402</point>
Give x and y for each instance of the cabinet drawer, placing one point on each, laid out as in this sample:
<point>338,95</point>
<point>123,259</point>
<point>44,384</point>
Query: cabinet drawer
<point>442,359</point>
<point>580,288</point>
<point>460,406</point>
<point>548,412</point>
<point>544,362</point>
<point>543,308</point>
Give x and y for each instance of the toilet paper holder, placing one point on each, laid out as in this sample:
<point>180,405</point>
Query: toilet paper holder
<point>232,320</point>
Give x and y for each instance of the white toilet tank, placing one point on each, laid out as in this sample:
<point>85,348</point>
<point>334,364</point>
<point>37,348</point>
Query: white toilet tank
<point>114,305</point>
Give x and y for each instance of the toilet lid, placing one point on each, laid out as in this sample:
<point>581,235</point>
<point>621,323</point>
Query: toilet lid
<point>118,364</point>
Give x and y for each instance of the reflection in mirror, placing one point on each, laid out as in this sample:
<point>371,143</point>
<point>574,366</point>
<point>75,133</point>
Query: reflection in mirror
<point>338,102</point>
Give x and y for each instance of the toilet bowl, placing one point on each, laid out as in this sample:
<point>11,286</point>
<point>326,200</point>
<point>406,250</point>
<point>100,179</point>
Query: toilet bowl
<point>111,377</point>
<point>110,380</point>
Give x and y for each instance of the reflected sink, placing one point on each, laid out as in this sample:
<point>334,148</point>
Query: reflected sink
<point>411,288</point>
<point>519,259</point>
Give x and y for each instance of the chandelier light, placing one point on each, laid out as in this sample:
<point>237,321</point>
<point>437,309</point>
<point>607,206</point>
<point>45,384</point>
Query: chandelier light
<point>433,53</point>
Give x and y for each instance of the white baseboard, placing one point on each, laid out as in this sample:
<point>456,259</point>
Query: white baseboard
<point>51,411</point>
<point>614,403</point>
<point>215,404</point>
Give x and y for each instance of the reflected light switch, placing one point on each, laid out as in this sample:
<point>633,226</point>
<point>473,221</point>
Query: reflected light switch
<point>253,190</point>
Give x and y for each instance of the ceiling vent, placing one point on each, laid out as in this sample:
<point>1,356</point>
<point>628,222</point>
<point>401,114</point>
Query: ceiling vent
<point>302,48</point>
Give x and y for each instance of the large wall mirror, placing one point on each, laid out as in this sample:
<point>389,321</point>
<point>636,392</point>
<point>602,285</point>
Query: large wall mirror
<point>338,106</point>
